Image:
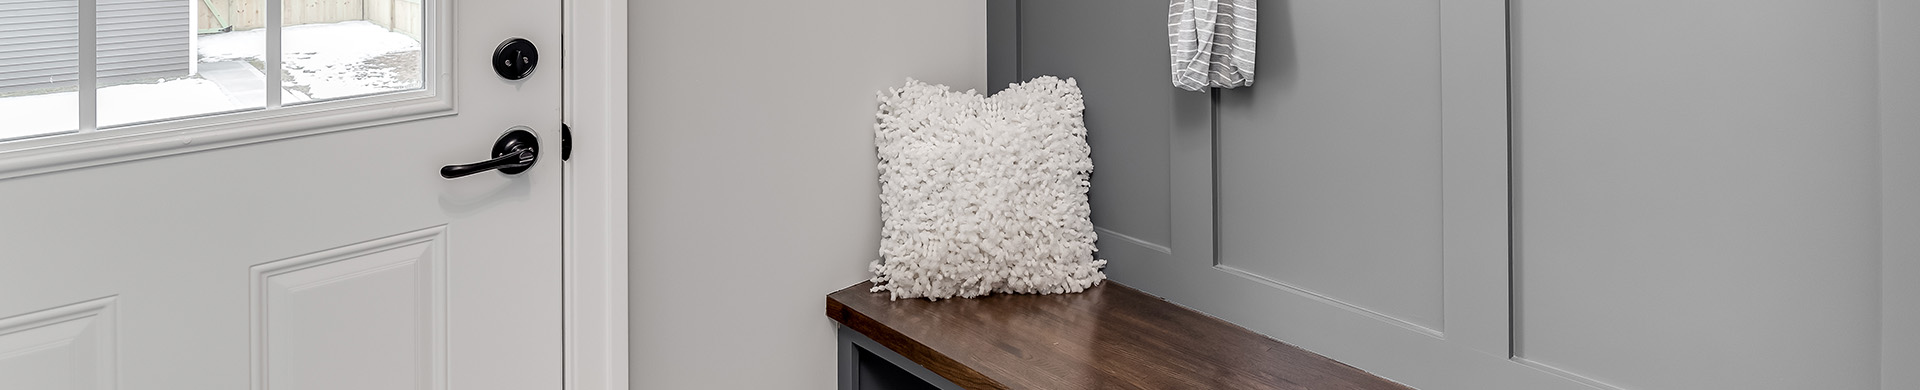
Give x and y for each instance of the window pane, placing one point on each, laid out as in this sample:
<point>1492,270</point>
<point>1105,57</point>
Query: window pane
<point>163,59</point>
<point>341,48</point>
<point>39,67</point>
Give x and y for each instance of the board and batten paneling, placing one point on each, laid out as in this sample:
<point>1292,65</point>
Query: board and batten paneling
<point>1697,195</point>
<point>1705,195</point>
<point>252,14</point>
<point>1344,133</point>
<point>138,39</point>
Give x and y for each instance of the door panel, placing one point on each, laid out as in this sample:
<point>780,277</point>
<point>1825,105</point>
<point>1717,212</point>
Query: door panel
<point>336,259</point>
<point>68,347</point>
<point>376,308</point>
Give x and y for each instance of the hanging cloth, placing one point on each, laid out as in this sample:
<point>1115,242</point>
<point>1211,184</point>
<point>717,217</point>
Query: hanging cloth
<point>1211,42</point>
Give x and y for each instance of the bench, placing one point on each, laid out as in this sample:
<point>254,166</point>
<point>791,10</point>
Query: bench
<point>1109,337</point>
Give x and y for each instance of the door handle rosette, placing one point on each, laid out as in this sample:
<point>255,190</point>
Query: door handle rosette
<point>516,151</point>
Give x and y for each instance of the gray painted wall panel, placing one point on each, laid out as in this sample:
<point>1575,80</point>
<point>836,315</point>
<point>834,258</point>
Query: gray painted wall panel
<point>1697,192</point>
<point>139,39</point>
<point>1329,166</point>
<point>1003,44</point>
<point>1900,194</point>
<point>1118,53</point>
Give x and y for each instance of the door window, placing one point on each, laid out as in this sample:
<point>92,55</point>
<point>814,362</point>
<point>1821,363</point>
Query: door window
<point>79,66</point>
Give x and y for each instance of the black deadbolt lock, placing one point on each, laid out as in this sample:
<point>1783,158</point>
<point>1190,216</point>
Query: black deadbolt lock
<point>515,59</point>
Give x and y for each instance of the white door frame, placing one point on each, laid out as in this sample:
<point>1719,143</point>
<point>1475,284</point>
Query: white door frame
<point>595,194</point>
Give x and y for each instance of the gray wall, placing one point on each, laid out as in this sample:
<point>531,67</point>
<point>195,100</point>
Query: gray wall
<point>754,190</point>
<point>1705,195</point>
<point>1900,194</point>
<point>138,39</point>
<point>1698,201</point>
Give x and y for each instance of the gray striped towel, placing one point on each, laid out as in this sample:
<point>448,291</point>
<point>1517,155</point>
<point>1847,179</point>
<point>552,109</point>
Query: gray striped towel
<point>1211,42</point>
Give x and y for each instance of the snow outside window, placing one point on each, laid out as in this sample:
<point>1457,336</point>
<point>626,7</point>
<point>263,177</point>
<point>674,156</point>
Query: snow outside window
<point>74,66</point>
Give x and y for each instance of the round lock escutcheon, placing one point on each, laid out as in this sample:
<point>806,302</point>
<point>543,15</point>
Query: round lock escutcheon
<point>515,58</point>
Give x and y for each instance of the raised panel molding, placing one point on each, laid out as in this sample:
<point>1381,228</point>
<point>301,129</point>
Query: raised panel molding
<point>363,316</point>
<point>1108,233</point>
<point>68,347</point>
<point>1330,301</point>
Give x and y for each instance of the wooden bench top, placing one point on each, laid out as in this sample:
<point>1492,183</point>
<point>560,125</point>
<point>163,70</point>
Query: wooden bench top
<point>1109,337</point>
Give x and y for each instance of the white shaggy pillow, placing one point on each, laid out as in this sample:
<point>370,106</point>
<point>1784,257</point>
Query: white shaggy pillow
<point>981,195</point>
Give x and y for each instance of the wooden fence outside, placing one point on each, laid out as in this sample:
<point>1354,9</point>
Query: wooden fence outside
<point>402,16</point>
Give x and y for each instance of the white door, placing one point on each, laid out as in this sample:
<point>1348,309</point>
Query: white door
<point>303,240</point>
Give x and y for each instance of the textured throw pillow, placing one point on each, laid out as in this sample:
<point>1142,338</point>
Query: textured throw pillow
<point>981,195</point>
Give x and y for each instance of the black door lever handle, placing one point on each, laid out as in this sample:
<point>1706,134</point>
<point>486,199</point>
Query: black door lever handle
<point>516,150</point>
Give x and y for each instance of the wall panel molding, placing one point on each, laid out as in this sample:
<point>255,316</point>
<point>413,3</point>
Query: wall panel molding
<point>1332,301</point>
<point>1108,233</point>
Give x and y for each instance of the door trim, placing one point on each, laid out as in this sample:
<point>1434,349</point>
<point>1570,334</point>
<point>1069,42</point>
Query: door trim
<point>594,195</point>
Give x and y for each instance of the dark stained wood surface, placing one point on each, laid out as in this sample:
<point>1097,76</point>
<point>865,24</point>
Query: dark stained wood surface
<point>1109,337</point>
